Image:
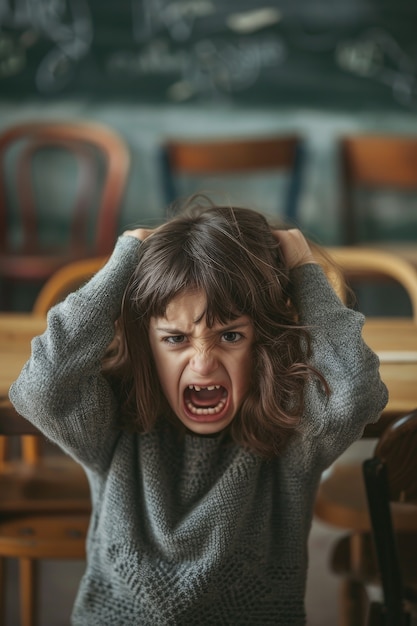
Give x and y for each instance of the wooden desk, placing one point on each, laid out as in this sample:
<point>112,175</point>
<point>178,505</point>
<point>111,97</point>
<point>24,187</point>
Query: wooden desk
<point>394,339</point>
<point>395,342</point>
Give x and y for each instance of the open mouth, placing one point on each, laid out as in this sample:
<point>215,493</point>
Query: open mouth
<point>210,400</point>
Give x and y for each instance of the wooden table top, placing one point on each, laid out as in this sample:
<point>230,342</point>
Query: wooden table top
<point>393,339</point>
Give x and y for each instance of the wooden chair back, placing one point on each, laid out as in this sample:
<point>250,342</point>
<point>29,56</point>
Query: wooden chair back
<point>391,481</point>
<point>360,263</point>
<point>374,162</point>
<point>45,495</point>
<point>64,281</point>
<point>85,223</point>
<point>227,156</point>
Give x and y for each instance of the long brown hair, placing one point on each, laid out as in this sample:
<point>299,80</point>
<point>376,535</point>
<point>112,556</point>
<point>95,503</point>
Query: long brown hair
<point>230,254</point>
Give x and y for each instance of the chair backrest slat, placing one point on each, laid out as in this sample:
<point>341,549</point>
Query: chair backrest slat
<point>361,263</point>
<point>86,142</point>
<point>226,156</point>
<point>64,281</point>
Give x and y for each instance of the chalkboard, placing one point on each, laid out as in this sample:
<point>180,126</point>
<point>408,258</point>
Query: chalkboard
<point>342,54</point>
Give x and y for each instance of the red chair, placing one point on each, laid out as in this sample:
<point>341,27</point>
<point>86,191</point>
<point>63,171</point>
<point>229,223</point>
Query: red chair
<point>61,192</point>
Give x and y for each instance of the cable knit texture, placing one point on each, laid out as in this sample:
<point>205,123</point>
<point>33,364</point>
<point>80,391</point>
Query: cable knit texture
<point>185,529</point>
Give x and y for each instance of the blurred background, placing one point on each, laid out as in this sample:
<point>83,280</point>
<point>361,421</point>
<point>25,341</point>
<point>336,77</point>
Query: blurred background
<point>156,71</point>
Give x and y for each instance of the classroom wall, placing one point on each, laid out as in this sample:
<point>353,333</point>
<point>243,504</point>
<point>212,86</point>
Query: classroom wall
<point>144,127</point>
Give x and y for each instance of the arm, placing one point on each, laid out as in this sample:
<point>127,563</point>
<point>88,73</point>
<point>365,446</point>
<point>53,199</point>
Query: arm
<point>61,388</point>
<point>350,367</point>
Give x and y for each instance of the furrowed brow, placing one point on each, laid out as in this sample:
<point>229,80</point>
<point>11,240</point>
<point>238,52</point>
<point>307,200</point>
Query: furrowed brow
<point>170,331</point>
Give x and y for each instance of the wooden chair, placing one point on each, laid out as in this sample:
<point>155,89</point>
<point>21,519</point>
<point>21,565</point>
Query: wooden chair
<point>229,156</point>
<point>61,192</point>
<point>44,514</point>
<point>44,498</point>
<point>368,264</point>
<point>376,163</point>
<point>391,485</point>
<point>341,500</point>
<point>64,281</point>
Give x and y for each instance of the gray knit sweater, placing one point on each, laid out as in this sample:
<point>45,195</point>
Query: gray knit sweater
<point>193,530</point>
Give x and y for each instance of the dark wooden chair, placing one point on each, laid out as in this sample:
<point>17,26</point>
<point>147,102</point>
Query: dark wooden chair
<point>44,512</point>
<point>44,495</point>
<point>375,163</point>
<point>61,192</point>
<point>230,156</point>
<point>391,484</point>
<point>341,498</point>
<point>342,503</point>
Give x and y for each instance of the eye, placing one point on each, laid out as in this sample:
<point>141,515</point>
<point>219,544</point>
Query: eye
<point>231,336</point>
<point>175,339</point>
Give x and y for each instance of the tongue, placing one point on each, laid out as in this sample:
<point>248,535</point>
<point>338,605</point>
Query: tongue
<point>205,397</point>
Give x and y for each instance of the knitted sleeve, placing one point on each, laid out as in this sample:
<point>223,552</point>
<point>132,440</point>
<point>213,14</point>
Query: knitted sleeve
<point>61,388</point>
<point>350,367</point>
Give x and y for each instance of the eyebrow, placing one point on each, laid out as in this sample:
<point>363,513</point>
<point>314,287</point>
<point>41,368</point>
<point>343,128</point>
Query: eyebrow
<point>228,328</point>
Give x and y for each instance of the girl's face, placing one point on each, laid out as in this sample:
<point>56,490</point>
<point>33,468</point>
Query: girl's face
<point>204,372</point>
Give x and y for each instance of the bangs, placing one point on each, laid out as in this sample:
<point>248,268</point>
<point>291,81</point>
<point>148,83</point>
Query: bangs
<point>225,298</point>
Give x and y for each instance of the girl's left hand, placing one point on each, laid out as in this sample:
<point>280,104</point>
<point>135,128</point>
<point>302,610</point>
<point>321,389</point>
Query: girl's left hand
<point>139,233</point>
<point>294,247</point>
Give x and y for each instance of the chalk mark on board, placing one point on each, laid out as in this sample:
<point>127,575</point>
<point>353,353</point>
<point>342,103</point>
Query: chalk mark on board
<point>66,23</point>
<point>152,17</point>
<point>251,21</point>
<point>232,67</point>
<point>209,66</point>
<point>376,55</point>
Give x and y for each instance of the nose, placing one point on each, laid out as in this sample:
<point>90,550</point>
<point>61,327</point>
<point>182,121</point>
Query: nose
<point>203,362</point>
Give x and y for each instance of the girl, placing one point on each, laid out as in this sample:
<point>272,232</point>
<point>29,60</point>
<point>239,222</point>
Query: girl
<point>235,377</point>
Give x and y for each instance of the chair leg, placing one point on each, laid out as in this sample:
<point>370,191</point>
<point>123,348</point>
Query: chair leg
<point>28,592</point>
<point>376,615</point>
<point>2,592</point>
<point>353,604</point>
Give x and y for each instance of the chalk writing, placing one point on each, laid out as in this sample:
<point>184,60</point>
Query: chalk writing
<point>209,66</point>
<point>376,55</point>
<point>66,23</point>
<point>243,52</point>
<point>151,17</point>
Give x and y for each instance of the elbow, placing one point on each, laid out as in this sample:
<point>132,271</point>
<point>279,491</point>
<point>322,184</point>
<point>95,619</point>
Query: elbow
<point>367,398</point>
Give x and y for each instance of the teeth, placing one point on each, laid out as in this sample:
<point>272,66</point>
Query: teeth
<point>198,388</point>
<point>209,411</point>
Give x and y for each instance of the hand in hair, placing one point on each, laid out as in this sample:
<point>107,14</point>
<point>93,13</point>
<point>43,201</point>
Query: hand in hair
<point>139,233</point>
<point>294,247</point>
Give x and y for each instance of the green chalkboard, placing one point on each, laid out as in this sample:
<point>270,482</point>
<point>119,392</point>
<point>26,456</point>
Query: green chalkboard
<point>352,54</point>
